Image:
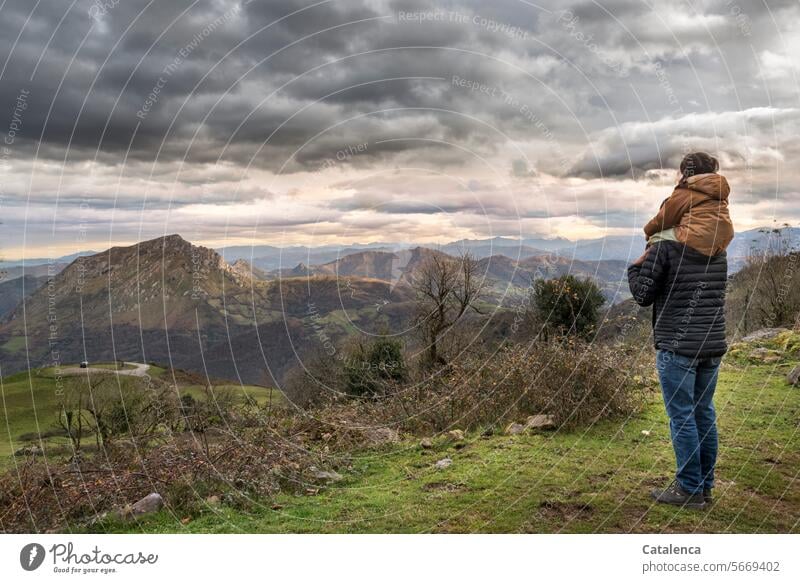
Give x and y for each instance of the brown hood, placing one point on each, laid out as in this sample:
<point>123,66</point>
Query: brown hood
<point>713,185</point>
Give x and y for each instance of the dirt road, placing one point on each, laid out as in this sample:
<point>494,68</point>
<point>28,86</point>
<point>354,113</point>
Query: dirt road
<point>140,370</point>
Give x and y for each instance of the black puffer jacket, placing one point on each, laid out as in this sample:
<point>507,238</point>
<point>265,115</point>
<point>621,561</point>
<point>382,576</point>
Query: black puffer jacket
<point>687,291</point>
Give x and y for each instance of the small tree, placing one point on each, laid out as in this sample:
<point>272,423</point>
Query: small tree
<point>446,289</point>
<point>70,416</point>
<point>567,305</point>
<point>370,366</point>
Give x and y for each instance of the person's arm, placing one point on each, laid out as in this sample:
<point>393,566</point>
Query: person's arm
<point>670,213</point>
<point>646,277</point>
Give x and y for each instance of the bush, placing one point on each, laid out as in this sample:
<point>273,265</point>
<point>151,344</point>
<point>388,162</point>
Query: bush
<point>567,305</point>
<point>370,366</point>
<point>575,382</point>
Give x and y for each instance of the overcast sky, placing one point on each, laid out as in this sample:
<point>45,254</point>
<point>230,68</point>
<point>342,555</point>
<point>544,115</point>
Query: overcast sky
<point>340,121</point>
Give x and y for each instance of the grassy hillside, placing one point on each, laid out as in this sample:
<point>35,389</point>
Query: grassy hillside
<point>29,405</point>
<point>593,480</point>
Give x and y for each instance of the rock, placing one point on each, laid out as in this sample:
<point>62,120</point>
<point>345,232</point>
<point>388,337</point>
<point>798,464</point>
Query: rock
<point>456,435</point>
<point>532,422</point>
<point>793,378</point>
<point>515,429</point>
<point>540,422</point>
<point>212,500</point>
<point>426,443</point>
<point>326,476</point>
<point>443,463</point>
<point>147,505</point>
<point>32,450</point>
<point>381,435</point>
<point>763,334</point>
<point>765,355</point>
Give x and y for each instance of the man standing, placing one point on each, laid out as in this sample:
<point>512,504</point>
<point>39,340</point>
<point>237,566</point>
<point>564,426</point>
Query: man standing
<point>687,292</point>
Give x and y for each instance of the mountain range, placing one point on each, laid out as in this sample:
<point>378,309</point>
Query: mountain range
<point>216,313</point>
<point>175,303</point>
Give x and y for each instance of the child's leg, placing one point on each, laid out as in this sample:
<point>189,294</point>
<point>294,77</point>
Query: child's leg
<point>665,235</point>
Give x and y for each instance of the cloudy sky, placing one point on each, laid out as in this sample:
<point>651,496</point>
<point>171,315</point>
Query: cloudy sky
<point>339,121</point>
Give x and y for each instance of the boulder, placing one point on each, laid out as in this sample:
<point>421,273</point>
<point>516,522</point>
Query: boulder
<point>381,435</point>
<point>326,476</point>
<point>443,463</point>
<point>540,422</point>
<point>763,334</point>
<point>456,435</point>
<point>515,429</point>
<point>793,378</point>
<point>765,355</point>
<point>147,505</point>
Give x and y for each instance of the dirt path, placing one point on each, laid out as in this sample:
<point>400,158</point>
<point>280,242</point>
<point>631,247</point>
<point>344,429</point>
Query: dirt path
<point>140,370</point>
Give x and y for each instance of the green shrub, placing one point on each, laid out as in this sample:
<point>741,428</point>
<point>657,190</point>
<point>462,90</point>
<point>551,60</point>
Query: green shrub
<point>567,305</point>
<point>370,366</point>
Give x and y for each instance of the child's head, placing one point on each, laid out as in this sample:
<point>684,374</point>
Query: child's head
<point>698,163</point>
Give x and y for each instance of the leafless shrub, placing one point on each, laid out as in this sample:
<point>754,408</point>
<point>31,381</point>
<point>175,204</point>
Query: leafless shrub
<point>446,289</point>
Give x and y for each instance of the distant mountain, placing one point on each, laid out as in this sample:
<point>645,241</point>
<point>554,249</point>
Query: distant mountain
<point>613,247</point>
<point>43,270</point>
<point>13,291</point>
<point>756,242</point>
<point>179,304</point>
<point>395,268</point>
<point>503,274</point>
<point>269,258</point>
<point>629,247</point>
<point>169,301</point>
<point>64,260</point>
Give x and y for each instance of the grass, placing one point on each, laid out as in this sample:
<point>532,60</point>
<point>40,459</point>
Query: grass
<point>592,480</point>
<point>15,344</point>
<point>28,406</point>
<point>251,393</point>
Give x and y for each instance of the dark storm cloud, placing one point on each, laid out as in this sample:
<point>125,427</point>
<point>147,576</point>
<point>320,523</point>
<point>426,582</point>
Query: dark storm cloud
<point>222,79</point>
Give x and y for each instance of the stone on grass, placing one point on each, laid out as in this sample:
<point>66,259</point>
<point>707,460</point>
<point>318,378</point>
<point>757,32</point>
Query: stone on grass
<point>515,429</point>
<point>326,476</point>
<point>426,443</point>
<point>443,463</point>
<point>540,422</point>
<point>763,334</point>
<point>381,435</point>
<point>147,505</point>
<point>793,378</point>
<point>456,435</point>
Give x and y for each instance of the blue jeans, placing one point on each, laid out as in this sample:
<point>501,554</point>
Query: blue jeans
<point>688,388</point>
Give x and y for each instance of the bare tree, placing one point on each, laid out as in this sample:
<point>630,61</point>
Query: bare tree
<point>446,288</point>
<point>70,414</point>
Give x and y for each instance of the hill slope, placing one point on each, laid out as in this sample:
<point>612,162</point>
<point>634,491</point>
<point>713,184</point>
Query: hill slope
<point>595,480</point>
<point>181,305</point>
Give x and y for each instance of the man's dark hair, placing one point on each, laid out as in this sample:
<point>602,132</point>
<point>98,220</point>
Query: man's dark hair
<point>698,163</point>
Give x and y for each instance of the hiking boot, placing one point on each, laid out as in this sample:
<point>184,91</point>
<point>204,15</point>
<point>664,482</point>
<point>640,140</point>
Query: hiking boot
<point>674,494</point>
<point>707,496</point>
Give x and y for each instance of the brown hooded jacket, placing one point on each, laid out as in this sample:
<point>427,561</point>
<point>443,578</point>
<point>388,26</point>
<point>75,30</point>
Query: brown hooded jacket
<point>698,210</point>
